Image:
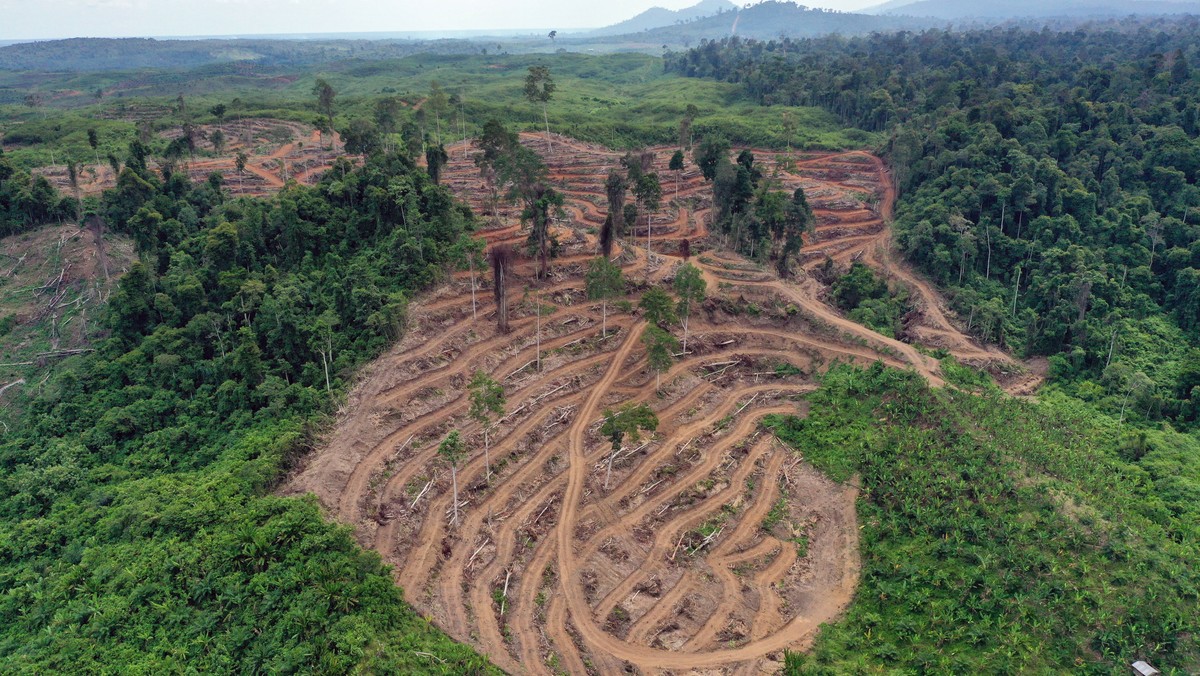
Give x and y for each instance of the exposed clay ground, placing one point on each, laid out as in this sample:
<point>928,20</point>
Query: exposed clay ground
<point>54,282</point>
<point>675,567</point>
<point>277,151</point>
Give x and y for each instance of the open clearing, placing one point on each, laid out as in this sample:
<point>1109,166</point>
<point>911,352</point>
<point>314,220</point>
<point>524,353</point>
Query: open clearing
<point>54,283</point>
<point>714,548</point>
<point>277,151</point>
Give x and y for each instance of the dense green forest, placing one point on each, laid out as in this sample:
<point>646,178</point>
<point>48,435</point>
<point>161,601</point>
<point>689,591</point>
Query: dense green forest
<point>1002,536</point>
<point>27,201</point>
<point>135,528</point>
<point>1048,182</point>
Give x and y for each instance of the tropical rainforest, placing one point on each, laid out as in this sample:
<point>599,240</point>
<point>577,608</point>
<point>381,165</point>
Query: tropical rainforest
<point>136,530</point>
<point>1047,184</point>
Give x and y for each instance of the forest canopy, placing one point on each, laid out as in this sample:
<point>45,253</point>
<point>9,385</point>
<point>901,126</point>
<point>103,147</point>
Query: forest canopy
<point>135,525</point>
<point>1048,182</point>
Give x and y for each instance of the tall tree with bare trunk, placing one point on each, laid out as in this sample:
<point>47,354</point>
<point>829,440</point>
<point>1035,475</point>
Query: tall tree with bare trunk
<point>487,400</point>
<point>451,450</point>
<point>501,257</point>
<point>614,224</point>
<point>539,88</point>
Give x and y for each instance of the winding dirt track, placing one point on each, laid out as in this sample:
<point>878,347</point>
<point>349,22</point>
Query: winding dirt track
<point>713,548</point>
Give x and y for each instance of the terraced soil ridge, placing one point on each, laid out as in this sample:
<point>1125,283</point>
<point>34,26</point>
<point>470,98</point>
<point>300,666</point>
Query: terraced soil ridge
<point>713,548</point>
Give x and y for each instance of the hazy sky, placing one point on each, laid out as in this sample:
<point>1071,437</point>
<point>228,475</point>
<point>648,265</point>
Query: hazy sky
<point>29,19</point>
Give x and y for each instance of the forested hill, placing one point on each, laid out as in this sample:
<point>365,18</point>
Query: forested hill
<point>136,529</point>
<point>1048,182</point>
<point>965,9</point>
<point>769,20</point>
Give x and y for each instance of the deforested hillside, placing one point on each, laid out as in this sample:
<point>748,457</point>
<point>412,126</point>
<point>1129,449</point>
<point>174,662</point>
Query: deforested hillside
<point>839,355</point>
<point>553,520</point>
<point>1048,182</point>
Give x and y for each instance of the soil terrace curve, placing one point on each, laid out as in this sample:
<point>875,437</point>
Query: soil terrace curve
<point>713,548</point>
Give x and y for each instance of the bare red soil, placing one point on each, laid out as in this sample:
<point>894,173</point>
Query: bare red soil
<point>674,567</point>
<point>277,152</point>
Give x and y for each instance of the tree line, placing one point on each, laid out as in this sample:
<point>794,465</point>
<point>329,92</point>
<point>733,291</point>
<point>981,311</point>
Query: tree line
<point>1048,182</point>
<point>136,526</point>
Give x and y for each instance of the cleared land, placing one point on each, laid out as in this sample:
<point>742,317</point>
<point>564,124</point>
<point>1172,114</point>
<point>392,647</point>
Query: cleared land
<point>713,548</point>
<point>277,151</point>
<point>54,282</point>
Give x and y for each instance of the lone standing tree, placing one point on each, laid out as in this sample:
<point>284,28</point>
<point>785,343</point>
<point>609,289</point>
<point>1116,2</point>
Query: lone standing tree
<point>685,126</point>
<point>468,251</point>
<point>789,129</point>
<point>541,201</point>
<point>240,163</point>
<point>660,351</point>
<point>487,400</point>
<point>649,195</point>
<point>627,421</point>
<point>690,287</point>
<point>325,95</point>
<point>94,141</point>
<point>451,450</point>
<point>502,258</point>
<point>539,88</point>
<point>604,281</point>
<point>614,223</point>
<point>676,166</point>
<point>73,178</point>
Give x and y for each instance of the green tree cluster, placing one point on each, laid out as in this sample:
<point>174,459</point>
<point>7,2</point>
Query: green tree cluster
<point>869,301</point>
<point>137,531</point>
<point>627,422</point>
<point>27,201</point>
<point>1003,536</point>
<point>752,214</point>
<point>1049,179</point>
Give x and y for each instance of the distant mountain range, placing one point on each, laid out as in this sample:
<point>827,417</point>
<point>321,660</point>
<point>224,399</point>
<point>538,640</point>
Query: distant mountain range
<point>769,20</point>
<point>773,19</point>
<point>1013,9</point>
<point>658,17</point>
